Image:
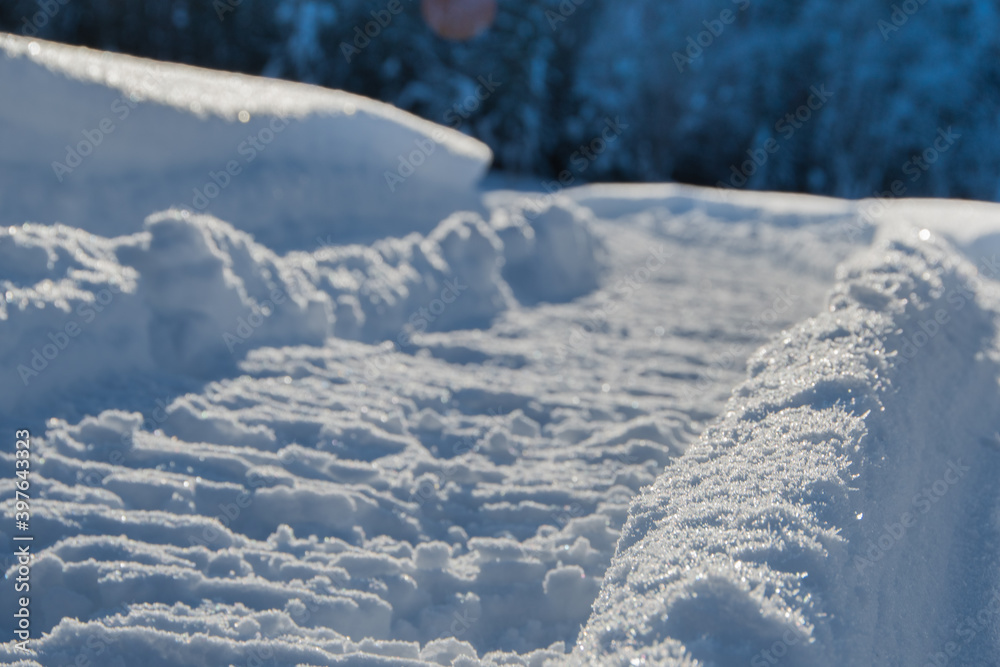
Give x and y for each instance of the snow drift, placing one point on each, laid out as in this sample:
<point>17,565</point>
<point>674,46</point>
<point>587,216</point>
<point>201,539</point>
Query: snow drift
<point>99,141</point>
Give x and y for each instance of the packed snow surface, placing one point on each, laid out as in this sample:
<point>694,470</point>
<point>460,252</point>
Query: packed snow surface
<point>507,436</point>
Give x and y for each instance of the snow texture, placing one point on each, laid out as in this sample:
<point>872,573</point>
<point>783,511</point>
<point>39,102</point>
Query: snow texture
<point>460,443</point>
<point>841,511</point>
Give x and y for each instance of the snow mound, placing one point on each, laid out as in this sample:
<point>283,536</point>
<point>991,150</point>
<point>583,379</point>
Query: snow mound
<point>289,163</point>
<point>842,511</point>
<point>190,294</point>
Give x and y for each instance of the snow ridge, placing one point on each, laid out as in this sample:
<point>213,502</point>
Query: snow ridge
<point>191,294</point>
<point>831,515</point>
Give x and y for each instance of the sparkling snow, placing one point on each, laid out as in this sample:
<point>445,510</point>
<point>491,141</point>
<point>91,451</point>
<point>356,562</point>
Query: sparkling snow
<point>461,424</point>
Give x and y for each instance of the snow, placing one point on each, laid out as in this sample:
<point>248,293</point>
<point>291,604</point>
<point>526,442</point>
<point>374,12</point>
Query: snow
<point>846,487</point>
<point>441,436</point>
<point>291,163</point>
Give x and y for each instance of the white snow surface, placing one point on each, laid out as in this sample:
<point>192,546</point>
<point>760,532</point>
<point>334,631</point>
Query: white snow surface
<point>133,136</point>
<point>498,429</point>
<point>842,510</point>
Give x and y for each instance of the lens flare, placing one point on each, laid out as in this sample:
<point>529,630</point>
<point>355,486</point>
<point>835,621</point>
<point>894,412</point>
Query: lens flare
<point>459,20</point>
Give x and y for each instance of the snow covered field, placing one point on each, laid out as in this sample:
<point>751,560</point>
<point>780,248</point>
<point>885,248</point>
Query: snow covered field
<point>360,408</point>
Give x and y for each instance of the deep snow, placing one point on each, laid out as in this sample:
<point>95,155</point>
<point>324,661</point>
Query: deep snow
<point>438,433</point>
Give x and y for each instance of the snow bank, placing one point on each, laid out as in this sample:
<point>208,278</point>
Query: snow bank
<point>289,163</point>
<point>191,295</point>
<point>842,509</point>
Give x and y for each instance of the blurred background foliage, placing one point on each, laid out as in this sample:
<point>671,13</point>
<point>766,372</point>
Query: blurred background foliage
<point>700,94</point>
